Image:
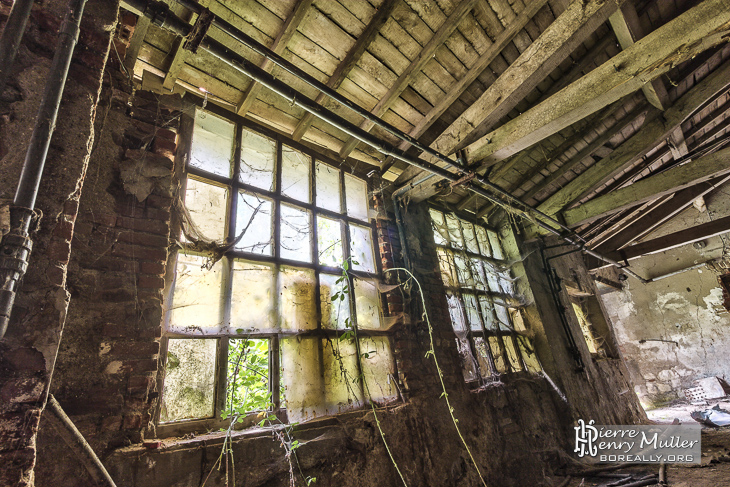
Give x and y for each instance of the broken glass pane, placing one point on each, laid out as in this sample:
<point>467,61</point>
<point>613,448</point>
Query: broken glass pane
<point>329,196</point>
<point>457,316</point>
<point>496,350</point>
<point>483,241</point>
<point>258,154</point>
<point>212,145</point>
<point>302,377</point>
<point>502,317</point>
<point>252,298</point>
<point>295,174</point>
<point>469,237</point>
<point>478,273</point>
<point>254,214</point>
<point>208,207</point>
<point>341,377</point>
<point>297,310</point>
<point>440,232</point>
<point>361,249</point>
<point>377,368</point>
<point>334,312</point>
<point>448,268</point>
<point>367,304</point>
<point>453,226</point>
<point>490,321</point>
<point>248,376</point>
<point>196,300</point>
<point>492,278</point>
<point>296,234</point>
<point>356,195</point>
<point>189,389</point>
<point>484,367</point>
<point>468,364</point>
<point>472,312</point>
<point>514,359</point>
<point>528,355</point>
<point>329,242</point>
<point>496,246</point>
<point>462,271</point>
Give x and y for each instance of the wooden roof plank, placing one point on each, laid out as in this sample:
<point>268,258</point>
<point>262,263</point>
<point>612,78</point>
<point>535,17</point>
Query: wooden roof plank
<point>351,59</point>
<point>280,43</point>
<point>677,41</point>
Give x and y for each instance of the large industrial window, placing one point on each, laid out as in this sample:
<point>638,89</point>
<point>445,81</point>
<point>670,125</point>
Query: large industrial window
<point>289,319</point>
<point>481,299</point>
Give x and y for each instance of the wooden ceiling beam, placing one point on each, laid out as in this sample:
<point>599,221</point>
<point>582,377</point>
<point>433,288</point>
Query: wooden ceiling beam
<point>414,68</point>
<point>673,240</point>
<point>351,59</point>
<point>655,128</point>
<point>140,32</point>
<point>693,32</point>
<point>481,64</point>
<point>656,186</point>
<point>659,214</point>
<point>287,32</point>
<point>554,45</point>
<point>178,53</point>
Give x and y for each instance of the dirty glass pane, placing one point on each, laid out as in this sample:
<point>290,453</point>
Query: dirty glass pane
<point>329,196</point>
<point>502,317</point>
<point>252,298</point>
<point>505,282</point>
<point>258,155</point>
<point>453,226</point>
<point>496,349</point>
<point>457,316</point>
<point>208,208</point>
<point>296,234</point>
<point>440,232</point>
<point>481,347</point>
<point>356,197</point>
<point>295,174</point>
<point>196,300</point>
<point>361,248</point>
<point>334,313</point>
<point>302,377</point>
<point>462,271</point>
<point>367,304</point>
<point>329,242</point>
<point>297,310</point>
<point>490,321</point>
<point>483,241</point>
<point>472,312</point>
<point>254,214</point>
<point>496,246</point>
<point>469,237</point>
<point>468,363</point>
<point>528,355</point>
<point>377,368</point>
<point>492,278</point>
<point>478,272</point>
<point>448,268</point>
<point>212,145</point>
<point>341,385</point>
<point>248,377</point>
<point>514,359</point>
<point>518,323</point>
<point>189,390</point>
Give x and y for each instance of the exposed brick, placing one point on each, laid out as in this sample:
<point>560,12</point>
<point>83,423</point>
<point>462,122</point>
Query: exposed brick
<point>144,225</point>
<point>164,147</point>
<point>158,214</point>
<point>151,282</point>
<point>141,365</point>
<point>153,268</point>
<point>59,250</point>
<point>156,201</point>
<point>64,229</point>
<point>71,208</point>
<point>132,421</point>
<point>108,263</point>
<point>134,349</point>
<point>56,275</point>
<point>146,239</point>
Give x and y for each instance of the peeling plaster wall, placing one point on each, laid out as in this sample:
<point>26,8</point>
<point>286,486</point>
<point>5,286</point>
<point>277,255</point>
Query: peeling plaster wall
<point>685,309</point>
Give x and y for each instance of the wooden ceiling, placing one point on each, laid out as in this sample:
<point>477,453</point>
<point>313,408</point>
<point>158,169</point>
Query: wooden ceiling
<point>561,103</point>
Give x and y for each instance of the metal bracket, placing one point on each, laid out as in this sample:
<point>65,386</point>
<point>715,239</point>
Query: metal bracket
<point>157,12</point>
<point>464,179</point>
<point>199,31</point>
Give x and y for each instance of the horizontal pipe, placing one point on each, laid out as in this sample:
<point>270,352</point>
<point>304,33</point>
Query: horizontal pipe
<point>163,17</point>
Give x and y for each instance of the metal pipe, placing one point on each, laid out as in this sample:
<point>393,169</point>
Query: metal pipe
<point>67,430</point>
<point>680,271</point>
<point>11,37</point>
<point>16,244</point>
<point>163,17</point>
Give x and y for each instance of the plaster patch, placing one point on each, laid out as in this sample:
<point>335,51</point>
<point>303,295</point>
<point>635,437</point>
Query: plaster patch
<point>672,302</point>
<point>714,298</point>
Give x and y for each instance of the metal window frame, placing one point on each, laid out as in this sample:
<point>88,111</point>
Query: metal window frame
<point>458,292</point>
<point>234,186</point>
